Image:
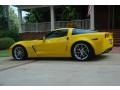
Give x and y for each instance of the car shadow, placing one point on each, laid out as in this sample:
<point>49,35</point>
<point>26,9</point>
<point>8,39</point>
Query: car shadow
<point>99,58</point>
<point>96,58</point>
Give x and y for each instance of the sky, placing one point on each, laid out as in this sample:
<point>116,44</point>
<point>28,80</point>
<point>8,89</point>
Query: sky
<point>16,11</point>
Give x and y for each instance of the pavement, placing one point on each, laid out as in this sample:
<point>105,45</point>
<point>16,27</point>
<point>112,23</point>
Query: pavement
<point>8,62</point>
<point>102,70</point>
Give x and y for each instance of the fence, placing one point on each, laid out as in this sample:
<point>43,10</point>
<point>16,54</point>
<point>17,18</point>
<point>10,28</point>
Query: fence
<point>45,26</point>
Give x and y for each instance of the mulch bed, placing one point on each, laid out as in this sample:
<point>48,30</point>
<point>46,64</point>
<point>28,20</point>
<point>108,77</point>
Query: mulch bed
<point>116,50</point>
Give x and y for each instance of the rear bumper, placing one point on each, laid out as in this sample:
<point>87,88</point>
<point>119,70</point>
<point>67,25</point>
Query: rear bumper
<point>108,50</point>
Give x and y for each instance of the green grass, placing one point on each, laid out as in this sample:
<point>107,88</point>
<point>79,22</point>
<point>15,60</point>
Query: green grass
<point>4,53</point>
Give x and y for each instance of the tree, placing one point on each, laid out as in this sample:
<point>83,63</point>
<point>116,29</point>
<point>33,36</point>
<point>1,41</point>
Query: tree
<point>14,25</point>
<point>1,11</point>
<point>8,15</point>
<point>37,15</point>
<point>13,20</point>
<point>69,13</point>
<point>3,17</point>
<point>31,17</point>
<point>64,13</point>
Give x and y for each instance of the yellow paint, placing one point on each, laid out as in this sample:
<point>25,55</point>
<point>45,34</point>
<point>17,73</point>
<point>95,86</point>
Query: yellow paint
<point>61,47</point>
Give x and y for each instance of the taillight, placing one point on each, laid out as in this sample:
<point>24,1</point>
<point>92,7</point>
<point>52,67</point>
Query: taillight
<point>106,35</point>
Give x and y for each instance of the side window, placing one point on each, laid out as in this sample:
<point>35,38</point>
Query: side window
<point>76,31</point>
<point>57,33</point>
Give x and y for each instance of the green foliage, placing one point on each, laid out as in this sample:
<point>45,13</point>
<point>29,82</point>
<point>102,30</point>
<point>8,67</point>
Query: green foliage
<point>3,23</point>
<point>1,10</point>
<point>13,20</point>
<point>14,26</point>
<point>4,53</point>
<point>31,17</point>
<point>69,13</point>
<point>6,42</point>
<point>10,33</point>
<point>38,15</point>
<point>3,17</point>
<point>64,13</point>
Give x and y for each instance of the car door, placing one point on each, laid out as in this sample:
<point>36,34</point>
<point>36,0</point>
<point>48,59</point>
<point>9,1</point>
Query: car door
<point>54,44</point>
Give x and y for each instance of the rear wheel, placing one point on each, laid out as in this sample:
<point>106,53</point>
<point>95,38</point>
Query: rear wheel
<point>19,53</point>
<point>82,51</point>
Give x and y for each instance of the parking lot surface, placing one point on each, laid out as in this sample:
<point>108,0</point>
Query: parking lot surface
<point>102,70</point>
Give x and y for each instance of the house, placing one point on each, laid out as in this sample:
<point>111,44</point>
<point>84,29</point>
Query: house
<point>98,17</point>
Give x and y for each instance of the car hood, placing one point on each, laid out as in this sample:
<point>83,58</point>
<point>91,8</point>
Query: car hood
<point>27,43</point>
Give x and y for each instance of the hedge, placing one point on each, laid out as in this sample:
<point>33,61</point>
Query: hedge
<point>6,42</point>
<point>10,33</point>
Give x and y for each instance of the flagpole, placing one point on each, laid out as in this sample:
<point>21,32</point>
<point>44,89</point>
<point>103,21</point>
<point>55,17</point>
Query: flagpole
<point>113,18</point>
<point>92,26</point>
<point>109,10</point>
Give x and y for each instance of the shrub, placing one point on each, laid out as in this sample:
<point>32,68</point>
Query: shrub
<point>10,33</point>
<point>6,42</point>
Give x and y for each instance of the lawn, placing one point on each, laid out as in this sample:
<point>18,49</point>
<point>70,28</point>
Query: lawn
<point>4,53</point>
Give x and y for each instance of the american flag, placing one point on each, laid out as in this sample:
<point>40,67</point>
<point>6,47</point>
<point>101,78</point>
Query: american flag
<point>89,10</point>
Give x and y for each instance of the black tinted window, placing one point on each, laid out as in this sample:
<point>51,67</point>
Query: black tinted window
<point>57,33</point>
<point>81,31</point>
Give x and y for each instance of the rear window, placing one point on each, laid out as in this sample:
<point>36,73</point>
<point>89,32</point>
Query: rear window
<point>82,31</point>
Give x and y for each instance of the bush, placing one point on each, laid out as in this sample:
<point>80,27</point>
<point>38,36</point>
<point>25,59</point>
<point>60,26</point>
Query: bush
<point>6,42</point>
<point>10,33</point>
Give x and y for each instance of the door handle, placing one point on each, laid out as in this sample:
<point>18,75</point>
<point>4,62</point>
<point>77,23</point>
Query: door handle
<point>67,38</point>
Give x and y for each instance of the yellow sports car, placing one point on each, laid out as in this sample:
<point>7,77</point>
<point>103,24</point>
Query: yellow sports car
<point>80,44</point>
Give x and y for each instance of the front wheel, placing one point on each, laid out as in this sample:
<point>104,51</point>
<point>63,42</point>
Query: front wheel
<point>81,51</point>
<point>19,52</point>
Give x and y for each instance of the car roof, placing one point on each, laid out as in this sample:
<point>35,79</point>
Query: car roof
<point>73,28</point>
<point>63,28</point>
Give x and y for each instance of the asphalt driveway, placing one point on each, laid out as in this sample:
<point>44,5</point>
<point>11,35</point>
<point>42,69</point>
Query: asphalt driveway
<point>103,70</point>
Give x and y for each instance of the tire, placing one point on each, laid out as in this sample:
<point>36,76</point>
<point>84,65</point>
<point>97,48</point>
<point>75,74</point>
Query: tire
<point>19,53</point>
<point>82,51</point>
